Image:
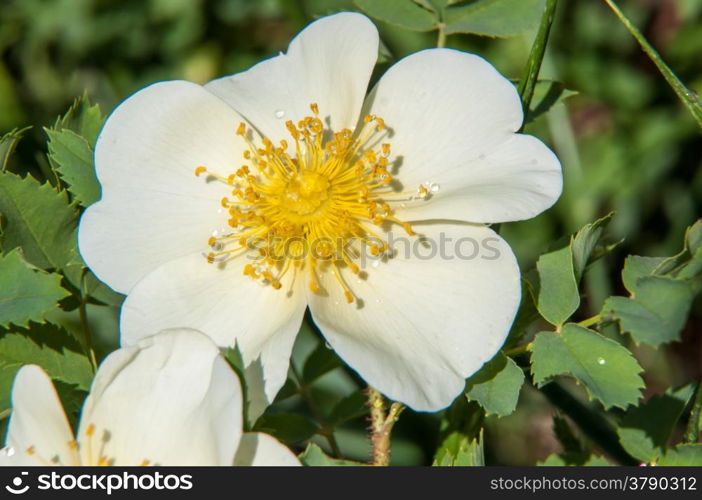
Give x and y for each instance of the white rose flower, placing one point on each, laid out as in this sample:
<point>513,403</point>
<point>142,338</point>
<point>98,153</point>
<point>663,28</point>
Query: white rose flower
<point>171,399</point>
<point>292,159</point>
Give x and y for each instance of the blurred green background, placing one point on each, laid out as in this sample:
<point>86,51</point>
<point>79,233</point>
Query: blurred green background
<point>626,143</point>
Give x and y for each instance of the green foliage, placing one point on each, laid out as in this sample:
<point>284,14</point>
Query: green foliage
<point>313,456</point>
<point>558,290</point>
<point>496,386</point>
<point>290,428</point>
<point>645,431</point>
<point>584,243</point>
<point>321,361</point>
<point>608,370</point>
<point>687,455</point>
<point>494,18</point>
<point>458,450</point>
<point>8,143</point>
<point>26,293</point>
<point>61,363</point>
<point>404,13</point>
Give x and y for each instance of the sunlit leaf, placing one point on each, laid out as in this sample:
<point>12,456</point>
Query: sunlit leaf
<point>558,291</point>
<point>496,386</point>
<point>494,18</point>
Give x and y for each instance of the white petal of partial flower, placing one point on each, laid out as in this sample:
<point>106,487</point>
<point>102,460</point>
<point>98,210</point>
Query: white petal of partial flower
<point>171,399</point>
<point>230,308</point>
<point>38,432</point>
<point>452,120</point>
<point>328,63</point>
<point>258,449</point>
<point>153,208</point>
<point>424,322</point>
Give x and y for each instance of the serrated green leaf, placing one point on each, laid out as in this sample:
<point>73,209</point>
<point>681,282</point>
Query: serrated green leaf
<point>83,118</point>
<point>404,13</point>
<point>657,312</point>
<point>683,455</point>
<point>608,370</point>
<point>8,143</point>
<point>17,350</point>
<point>72,157</point>
<point>457,450</point>
<point>558,295</point>
<point>352,406</point>
<point>290,428</point>
<point>26,293</point>
<point>321,361</point>
<point>40,220</point>
<point>495,18</point>
<point>313,456</point>
<point>584,241</point>
<point>645,431</point>
<point>637,267</point>
<point>496,386</point>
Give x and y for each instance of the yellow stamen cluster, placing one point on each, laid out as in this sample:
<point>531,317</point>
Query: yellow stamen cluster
<point>310,203</point>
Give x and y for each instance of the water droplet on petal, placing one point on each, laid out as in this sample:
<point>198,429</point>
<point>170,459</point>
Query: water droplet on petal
<point>601,361</point>
<point>279,113</point>
<point>9,451</point>
<point>375,263</point>
<point>435,188</point>
<point>378,301</point>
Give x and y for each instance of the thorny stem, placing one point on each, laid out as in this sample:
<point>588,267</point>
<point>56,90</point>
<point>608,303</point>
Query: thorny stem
<point>381,426</point>
<point>325,430</point>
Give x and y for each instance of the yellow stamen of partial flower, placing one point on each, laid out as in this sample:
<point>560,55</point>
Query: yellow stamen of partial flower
<point>312,208</point>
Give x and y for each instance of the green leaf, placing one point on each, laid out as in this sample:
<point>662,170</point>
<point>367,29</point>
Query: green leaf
<point>26,293</point>
<point>584,242</point>
<point>558,291</point>
<point>494,18</point>
<point>457,450</point>
<point>72,157</point>
<point>83,118</point>
<point>496,386</point>
<point>547,93</point>
<point>8,143</point>
<point>683,455</point>
<point>657,312</point>
<point>40,221</point>
<point>637,267</point>
<point>64,365</point>
<point>290,428</point>
<point>313,456</point>
<point>236,362</point>
<point>645,431</point>
<point>608,370</point>
<point>352,406</point>
<point>404,13</point>
<point>321,361</point>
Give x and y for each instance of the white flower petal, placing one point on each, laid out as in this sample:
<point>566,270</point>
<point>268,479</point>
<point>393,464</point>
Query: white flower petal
<point>171,399</point>
<point>230,308</point>
<point>458,135</point>
<point>153,208</point>
<point>38,431</point>
<point>328,63</point>
<point>422,324</point>
<point>258,449</point>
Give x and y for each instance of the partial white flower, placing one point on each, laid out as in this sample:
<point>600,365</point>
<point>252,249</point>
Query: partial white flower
<point>292,154</point>
<point>171,399</point>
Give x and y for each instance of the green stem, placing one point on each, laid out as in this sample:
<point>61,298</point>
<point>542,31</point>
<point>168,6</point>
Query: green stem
<point>441,40</point>
<point>325,430</point>
<point>520,349</point>
<point>590,321</point>
<point>692,430</point>
<point>688,98</point>
<point>536,57</point>
<point>85,327</point>
<point>593,425</point>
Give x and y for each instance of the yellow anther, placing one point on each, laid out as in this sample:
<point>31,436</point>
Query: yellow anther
<point>276,284</point>
<point>224,202</point>
<point>386,149</point>
<point>314,287</point>
<point>211,242</point>
<point>380,123</point>
<point>408,228</point>
<point>102,461</point>
<point>314,108</point>
<point>241,129</point>
<point>73,444</point>
<point>200,170</point>
<point>210,257</point>
<point>144,463</point>
<point>30,450</point>
<point>90,430</point>
<point>349,296</point>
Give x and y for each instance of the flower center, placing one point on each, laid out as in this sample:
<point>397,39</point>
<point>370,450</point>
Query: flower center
<point>315,208</point>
